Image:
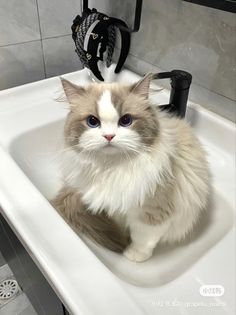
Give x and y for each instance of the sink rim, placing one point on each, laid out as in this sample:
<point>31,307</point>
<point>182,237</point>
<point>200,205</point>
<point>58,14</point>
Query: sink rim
<point>28,155</point>
<point>10,208</point>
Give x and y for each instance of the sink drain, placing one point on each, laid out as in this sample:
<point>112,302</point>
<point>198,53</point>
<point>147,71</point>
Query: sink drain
<point>8,289</point>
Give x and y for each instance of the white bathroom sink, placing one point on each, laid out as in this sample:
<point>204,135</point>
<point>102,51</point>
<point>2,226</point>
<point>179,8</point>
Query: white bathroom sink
<point>92,280</point>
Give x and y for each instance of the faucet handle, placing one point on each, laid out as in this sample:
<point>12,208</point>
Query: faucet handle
<point>180,82</point>
<point>179,79</point>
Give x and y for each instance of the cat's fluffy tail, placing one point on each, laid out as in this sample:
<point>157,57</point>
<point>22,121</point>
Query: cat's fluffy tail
<point>98,227</point>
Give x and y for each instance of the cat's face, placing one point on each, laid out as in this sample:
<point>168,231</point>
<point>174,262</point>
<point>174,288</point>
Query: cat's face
<point>110,118</point>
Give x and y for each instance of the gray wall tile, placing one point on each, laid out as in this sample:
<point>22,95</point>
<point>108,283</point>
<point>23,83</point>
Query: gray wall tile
<point>15,306</point>
<point>21,57</point>
<point>177,34</point>
<point>21,63</point>
<point>28,311</point>
<point>60,56</point>
<point>105,6</point>
<point>173,34</point>
<point>56,17</point>
<point>2,260</point>
<point>219,104</point>
<point>18,21</point>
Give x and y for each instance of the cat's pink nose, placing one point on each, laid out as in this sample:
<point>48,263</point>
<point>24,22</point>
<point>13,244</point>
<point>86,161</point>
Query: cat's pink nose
<point>109,137</point>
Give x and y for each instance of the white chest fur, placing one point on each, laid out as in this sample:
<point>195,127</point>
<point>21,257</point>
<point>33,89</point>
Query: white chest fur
<point>117,186</point>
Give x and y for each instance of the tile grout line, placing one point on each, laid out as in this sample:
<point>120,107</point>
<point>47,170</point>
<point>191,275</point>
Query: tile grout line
<point>34,40</point>
<point>19,43</point>
<point>41,41</point>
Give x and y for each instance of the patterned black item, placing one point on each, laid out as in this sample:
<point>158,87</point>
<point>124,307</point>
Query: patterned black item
<point>93,34</point>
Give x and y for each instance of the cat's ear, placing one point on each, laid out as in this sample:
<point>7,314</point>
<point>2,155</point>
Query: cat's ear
<point>72,91</point>
<point>142,86</point>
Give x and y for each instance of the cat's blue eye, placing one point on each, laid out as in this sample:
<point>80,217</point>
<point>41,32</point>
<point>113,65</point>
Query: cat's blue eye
<point>93,122</point>
<point>125,120</point>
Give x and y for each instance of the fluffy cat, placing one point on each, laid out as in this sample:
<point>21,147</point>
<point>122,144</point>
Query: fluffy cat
<point>126,161</point>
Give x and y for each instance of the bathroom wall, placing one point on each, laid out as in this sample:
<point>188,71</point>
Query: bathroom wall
<point>176,34</point>
<point>35,40</point>
<point>35,43</point>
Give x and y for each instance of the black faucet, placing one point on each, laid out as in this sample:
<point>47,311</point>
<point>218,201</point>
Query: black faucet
<point>180,82</point>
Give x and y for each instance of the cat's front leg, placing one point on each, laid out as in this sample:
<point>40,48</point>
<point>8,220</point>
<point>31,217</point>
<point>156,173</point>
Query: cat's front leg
<point>144,238</point>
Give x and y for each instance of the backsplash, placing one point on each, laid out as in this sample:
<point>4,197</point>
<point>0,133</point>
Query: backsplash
<point>178,35</point>
<point>35,43</point>
<point>35,40</point>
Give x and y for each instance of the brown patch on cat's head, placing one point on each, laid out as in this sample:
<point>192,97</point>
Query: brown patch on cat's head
<point>83,102</point>
<point>134,100</point>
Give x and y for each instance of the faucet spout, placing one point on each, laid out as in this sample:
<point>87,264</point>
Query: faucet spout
<point>180,82</point>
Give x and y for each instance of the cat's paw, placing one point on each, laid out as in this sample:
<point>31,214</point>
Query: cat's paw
<point>137,255</point>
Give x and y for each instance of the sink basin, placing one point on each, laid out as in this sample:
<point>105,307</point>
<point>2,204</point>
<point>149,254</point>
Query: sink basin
<point>84,275</point>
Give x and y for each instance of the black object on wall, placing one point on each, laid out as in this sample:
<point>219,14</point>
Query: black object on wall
<point>225,5</point>
<point>137,17</point>
<point>94,33</point>
<point>180,82</point>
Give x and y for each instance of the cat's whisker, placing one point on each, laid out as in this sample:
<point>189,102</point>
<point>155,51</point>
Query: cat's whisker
<point>128,157</point>
<point>129,148</point>
<point>131,158</point>
<point>68,149</point>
